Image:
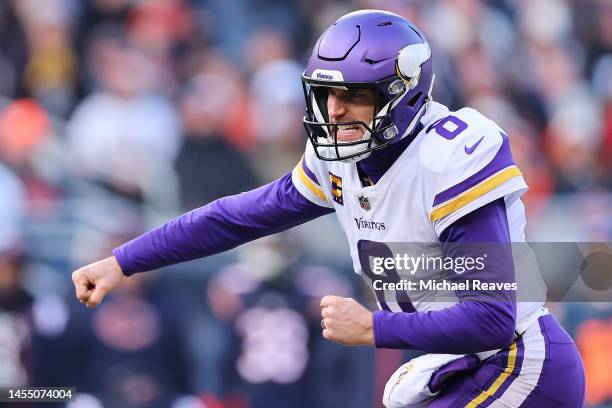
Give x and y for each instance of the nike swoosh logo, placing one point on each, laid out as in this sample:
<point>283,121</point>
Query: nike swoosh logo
<point>470,150</point>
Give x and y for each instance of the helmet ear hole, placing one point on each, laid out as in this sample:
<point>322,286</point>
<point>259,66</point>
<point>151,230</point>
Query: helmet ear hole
<point>413,101</point>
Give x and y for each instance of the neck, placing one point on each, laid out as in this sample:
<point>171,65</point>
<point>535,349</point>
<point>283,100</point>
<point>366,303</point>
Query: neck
<point>377,164</point>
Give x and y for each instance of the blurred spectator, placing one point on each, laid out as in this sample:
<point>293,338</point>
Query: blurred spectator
<point>269,304</point>
<point>233,104</point>
<point>12,208</point>
<point>573,135</point>
<point>132,348</point>
<point>157,29</point>
<point>205,104</point>
<point>51,74</point>
<point>122,135</point>
<point>599,64</point>
<point>15,322</point>
<point>27,325</point>
<point>129,352</point>
<point>28,145</point>
<point>102,12</point>
<point>24,126</point>
<point>277,102</point>
<point>13,51</point>
<point>157,25</point>
<point>557,15</point>
<point>281,138</point>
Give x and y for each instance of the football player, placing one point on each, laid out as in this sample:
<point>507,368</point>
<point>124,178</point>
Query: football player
<point>394,166</point>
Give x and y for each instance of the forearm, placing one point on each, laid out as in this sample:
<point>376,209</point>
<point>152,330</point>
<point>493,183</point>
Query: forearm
<point>482,320</point>
<point>219,226</point>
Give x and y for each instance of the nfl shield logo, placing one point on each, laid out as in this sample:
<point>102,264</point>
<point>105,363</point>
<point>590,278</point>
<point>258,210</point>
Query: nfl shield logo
<point>364,203</point>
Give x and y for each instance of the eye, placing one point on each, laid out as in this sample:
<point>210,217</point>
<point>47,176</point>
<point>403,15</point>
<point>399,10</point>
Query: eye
<point>358,94</point>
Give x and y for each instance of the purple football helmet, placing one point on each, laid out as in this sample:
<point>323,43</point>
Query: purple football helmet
<point>368,49</point>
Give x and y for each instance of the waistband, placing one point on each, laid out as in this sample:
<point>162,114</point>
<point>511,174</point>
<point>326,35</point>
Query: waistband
<point>521,327</point>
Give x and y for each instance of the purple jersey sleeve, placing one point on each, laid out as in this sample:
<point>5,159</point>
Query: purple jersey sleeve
<point>472,325</point>
<point>219,226</point>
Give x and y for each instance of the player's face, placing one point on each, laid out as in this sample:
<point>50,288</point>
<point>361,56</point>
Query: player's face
<point>347,105</point>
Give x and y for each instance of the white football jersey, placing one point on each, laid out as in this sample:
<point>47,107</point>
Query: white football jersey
<point>457,163</point>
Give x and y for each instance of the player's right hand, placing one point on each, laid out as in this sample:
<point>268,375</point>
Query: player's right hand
<point>94,281</point>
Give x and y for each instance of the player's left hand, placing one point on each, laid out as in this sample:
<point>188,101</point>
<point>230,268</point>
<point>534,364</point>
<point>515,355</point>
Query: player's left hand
<point>346,322</point>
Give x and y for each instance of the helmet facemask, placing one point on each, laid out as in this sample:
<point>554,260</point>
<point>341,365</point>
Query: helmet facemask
<point>378,133</point>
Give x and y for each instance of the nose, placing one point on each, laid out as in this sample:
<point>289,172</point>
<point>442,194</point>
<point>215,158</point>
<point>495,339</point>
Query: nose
<point>335,107</point>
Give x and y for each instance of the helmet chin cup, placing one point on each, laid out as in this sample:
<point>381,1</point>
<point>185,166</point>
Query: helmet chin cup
<point>350,154</point>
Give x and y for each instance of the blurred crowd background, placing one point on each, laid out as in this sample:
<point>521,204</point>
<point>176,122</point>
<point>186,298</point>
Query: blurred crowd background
<point>117,115</point>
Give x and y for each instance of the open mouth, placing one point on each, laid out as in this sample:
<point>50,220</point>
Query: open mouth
<point>348,133</point>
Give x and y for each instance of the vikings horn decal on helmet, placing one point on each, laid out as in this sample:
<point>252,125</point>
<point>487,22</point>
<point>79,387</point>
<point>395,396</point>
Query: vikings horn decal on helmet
<point>368,49</point>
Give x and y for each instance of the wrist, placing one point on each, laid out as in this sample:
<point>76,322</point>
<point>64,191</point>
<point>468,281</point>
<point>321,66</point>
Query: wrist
<point>369,332</point>
<point>377,333</point>
<point>121,261</point>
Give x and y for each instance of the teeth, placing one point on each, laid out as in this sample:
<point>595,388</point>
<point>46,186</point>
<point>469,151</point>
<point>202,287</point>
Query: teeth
<point>347,127</point>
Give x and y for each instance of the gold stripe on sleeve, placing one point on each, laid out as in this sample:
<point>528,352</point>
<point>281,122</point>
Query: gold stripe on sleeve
<point>314,188</point>
<point>475,192</point>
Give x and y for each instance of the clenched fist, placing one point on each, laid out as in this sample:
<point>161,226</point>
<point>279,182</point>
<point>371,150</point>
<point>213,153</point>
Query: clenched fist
<point>346,322</point>
<point>94,281</point>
